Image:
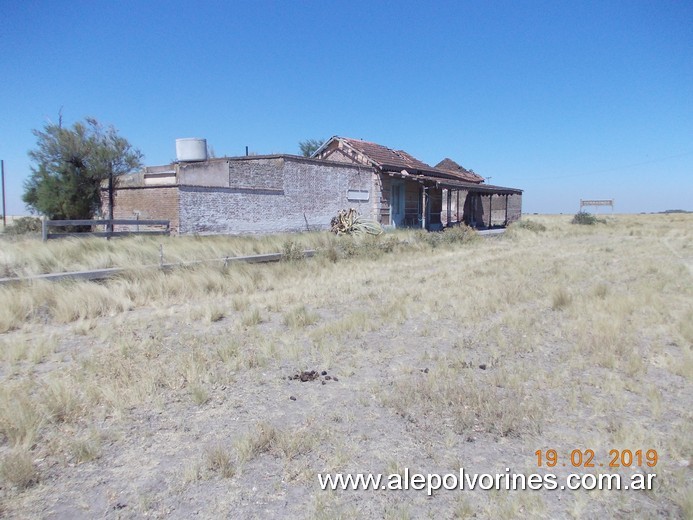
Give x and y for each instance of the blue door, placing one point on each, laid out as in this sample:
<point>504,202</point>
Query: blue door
<point>397,204</point>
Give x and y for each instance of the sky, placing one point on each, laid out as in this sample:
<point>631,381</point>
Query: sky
<point>565,100</point>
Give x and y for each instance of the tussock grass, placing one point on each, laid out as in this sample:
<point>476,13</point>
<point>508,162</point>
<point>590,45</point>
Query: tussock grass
<point>220,461</point>
<point>199,394</point>
<point>300,317</point>
<point>260,440</point>
<point>471,403</point>
<point>73,300</point>
<point>20,417</point>
<point>529,225</point>
<point>85,449</point>
<point>61,400</point>
<point>561,299</point>
<point>17,469</point>
<point>251,317</point>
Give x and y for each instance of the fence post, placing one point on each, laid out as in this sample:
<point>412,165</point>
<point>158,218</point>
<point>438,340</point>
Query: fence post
<point>44,228</point>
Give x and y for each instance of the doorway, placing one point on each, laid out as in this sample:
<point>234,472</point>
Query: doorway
<point>397,204</point>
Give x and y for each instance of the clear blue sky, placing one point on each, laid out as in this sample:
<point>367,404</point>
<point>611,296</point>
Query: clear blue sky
<point>565,100</point>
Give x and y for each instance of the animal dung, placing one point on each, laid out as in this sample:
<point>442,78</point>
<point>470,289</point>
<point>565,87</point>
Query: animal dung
<point>311,375</point>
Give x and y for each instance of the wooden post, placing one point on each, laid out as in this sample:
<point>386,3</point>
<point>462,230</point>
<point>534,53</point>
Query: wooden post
<point>490,210</point>
<point>449,207</point>
<point>458,206</point>
<point>109,227</point>
<point>506,209</point>
<point>44,229</point>
<point>423,207</point>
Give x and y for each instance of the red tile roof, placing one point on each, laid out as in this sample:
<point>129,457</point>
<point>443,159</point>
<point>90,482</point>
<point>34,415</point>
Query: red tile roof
<point>450,166</point>
<point>389,160</point>
<point>386,158</point>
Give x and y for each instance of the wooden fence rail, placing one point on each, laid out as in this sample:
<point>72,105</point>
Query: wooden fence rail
<point>108,224</point>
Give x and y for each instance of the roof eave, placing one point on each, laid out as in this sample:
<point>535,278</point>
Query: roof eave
<point>323,146</point>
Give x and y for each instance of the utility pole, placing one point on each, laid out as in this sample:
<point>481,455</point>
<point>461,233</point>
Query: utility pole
<point>4,213</point>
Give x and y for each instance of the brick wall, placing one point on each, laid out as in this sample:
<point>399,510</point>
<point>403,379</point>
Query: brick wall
<point>152,203</point>
<point>455,208</point>
<point>514,207</point>
<point>275,194</point>
<point>495,203</point>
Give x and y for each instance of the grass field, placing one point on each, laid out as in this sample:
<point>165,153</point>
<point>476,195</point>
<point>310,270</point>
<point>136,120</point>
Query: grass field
<point>172,394</point>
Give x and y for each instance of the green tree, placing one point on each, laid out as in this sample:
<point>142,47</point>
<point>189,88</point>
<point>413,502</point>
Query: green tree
<point>71,165</point>
<point>309,146</point>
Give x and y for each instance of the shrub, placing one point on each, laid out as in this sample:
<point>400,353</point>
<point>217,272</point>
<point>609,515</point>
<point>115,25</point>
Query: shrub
<point>350,223</point>
<point>292,252</point>
<point>24,225</point>
<point>17,469</point>
<point>584,218</point>
<point>458,234</point>
<point>530,225</point>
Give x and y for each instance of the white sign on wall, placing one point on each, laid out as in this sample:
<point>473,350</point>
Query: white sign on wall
<point>358,195</point>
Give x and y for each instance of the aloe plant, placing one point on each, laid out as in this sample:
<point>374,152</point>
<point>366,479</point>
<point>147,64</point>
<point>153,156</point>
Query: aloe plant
<point>349,222</point>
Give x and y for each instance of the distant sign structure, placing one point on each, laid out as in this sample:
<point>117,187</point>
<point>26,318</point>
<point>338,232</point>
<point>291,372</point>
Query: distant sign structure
<point>597,202</point>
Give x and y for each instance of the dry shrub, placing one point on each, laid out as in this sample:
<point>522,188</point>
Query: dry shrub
<point>219,461</point>
<point>560,299</point>
<point>530,225</point>
<point>258,441</point>
<point>471,404</point>
<point>459,234</point>
<point>586,219</point>
<point>300,317</point>
<point>17,469</point>
<point>20,418</point>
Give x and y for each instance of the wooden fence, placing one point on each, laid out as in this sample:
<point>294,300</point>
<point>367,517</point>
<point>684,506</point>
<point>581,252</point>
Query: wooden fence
<point>161,227</point>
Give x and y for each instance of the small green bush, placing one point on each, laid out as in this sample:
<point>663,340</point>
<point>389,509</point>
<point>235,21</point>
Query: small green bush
<point>24,225</point>
<point>585,219</point>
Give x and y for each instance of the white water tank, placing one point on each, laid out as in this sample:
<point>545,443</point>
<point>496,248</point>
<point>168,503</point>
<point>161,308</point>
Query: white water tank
<point>191,149</point>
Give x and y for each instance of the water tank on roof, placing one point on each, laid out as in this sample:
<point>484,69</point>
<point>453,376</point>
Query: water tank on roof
<point>191,149</point>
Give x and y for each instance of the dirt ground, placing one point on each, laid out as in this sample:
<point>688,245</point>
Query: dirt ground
<point>186,403</point>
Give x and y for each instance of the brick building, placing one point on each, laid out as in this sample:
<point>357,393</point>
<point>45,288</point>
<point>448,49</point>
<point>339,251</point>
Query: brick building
<point>412,193</point>
<point>237,195</point>
<point>285,193</point>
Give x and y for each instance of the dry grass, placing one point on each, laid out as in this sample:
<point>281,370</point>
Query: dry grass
<point>17,469</point>
<point>219,461</point>
<point>448,352</point>
<point>30,256</point>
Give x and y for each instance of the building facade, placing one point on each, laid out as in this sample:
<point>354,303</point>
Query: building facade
<point>411,193</point>
<point>289,193</point>
<point>239,195</point>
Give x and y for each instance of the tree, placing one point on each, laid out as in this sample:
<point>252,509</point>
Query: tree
<point>309,146</point>
<point>71,164</point>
